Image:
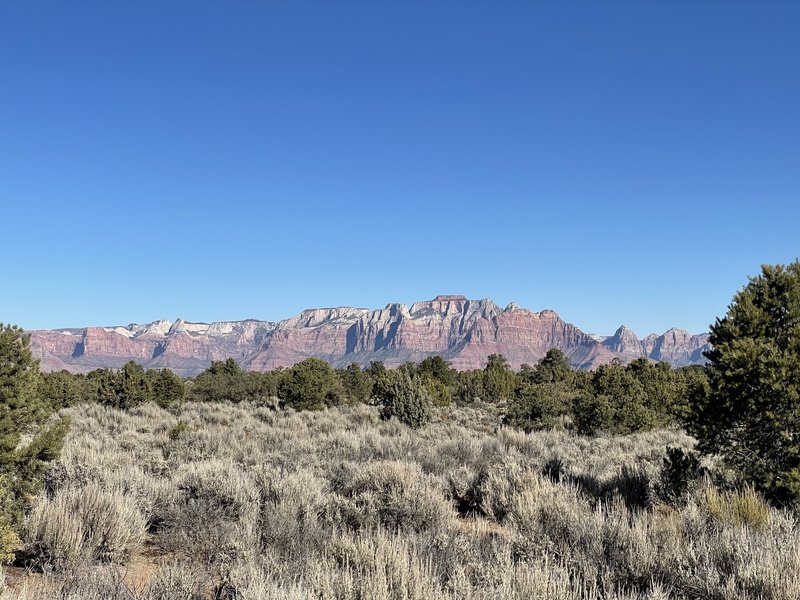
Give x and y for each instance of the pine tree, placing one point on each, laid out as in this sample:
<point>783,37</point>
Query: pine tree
<point>27,443</point>
<point>750,412</point>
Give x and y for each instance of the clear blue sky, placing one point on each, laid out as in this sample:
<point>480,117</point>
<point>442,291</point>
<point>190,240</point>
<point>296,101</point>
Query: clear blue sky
<point>617,162</point>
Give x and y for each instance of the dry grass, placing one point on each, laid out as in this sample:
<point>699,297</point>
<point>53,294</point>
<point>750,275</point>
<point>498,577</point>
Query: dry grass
<point>251,503</point>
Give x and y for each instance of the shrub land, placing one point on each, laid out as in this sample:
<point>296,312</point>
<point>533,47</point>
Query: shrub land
<point>244,501</point>
<point>412,483</point>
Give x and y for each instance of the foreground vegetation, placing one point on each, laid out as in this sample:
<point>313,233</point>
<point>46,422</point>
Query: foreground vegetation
<point>415,482</point>
<point>241,501</point>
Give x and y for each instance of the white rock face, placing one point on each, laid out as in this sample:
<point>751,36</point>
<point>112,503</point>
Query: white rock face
<point>181,326</point>
<point>124,331</point>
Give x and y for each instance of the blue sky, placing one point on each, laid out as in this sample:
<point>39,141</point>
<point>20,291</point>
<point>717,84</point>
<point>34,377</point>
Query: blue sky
<point>617,162</point>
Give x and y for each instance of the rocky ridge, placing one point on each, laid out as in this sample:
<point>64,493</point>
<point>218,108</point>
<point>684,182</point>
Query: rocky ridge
<point>463,331</point>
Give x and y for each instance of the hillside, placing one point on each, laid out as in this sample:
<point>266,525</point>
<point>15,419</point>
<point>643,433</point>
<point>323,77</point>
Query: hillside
<point>463,331</point>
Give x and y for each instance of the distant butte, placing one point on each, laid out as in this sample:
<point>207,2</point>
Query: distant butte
<point>465,332</point>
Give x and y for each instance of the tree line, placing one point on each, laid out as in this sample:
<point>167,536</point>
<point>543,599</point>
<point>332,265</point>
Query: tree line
<point>615,398</point>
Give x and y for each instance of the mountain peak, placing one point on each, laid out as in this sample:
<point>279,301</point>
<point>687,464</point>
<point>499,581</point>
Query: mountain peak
<point>449,298</point>
<point>625,342</point>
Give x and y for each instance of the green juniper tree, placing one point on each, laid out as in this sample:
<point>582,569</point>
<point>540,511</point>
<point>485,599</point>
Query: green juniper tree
<point>499,381</point>
<point>408,399</point>
<point>165,388</point>
<point>61,389</point>
<point>124,388</point>
<point>311,384</point>
<point>27,442</point>
<point>357,383</point>
<point>750,410</point>
<point>469,386</point>
<point>554,367</point>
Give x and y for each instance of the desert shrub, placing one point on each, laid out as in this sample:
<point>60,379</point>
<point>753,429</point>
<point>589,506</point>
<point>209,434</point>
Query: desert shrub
<point>439,369</point>
<point>214,515</point>
<point>179,580</point>
<point>337,504</point>
<point>375,565</point>
<point>679,471</point>
<point>224,381</point>
<point>491,491</point>
<point>666,390</point>
<point>122,388</point>
<point>407,398</point>
<point>9,541</point>
<point>538,405</point>
<point>394,495</point>
<point>178,430</point>
<point>82,582</point>
<point>438,391</point>
<point>264,580</point>
<point>633,486</point>
<point>80,524</point>
<point>623,400</point>
<point>593,413</point>
<point>61,389</point>
<point>291,507</point>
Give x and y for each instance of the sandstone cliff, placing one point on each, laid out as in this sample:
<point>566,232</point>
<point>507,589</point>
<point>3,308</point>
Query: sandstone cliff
<point>463,331</point>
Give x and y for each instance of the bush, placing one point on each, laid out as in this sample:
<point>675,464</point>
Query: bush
<point>593,413</point>
<point>9,541</point>
<point>439,392</point>
<point>394,495</point>
<point>679,471</point>
<point>469,387</point>
<point>407,399</point>
<point>224,381</point>
<point>124,388</point>
<point>310,385</point>
<point>61,389</point>
<point>166,388</point>
<point>177,431</point>
<point>538,405</point>
<point>291,507</point>
<point>214,516</point>
<point>83,524</point>
<point>499,380</point>
<point>491,491</point>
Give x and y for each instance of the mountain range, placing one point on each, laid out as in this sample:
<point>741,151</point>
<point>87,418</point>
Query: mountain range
<point>463,331</point>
